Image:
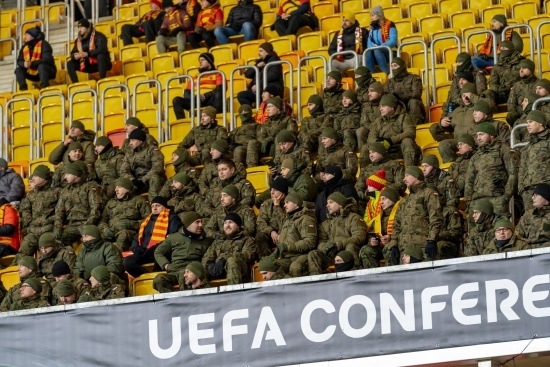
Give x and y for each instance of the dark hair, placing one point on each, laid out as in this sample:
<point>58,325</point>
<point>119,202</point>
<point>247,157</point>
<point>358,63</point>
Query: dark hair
<point>228,162</point>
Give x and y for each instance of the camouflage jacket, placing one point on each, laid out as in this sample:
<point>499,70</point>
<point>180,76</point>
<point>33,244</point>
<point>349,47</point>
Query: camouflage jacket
<point>274,125</point>
<point>79,284</point>
<point>241,135</point>
<point>395,172</point>
<point>332,100</point>
<point>13,295</point>
<point>214,226</point>
<point>34,301</point>
<point>179,249</point>
<point>210,172</point>
<point>458,171</point>
<point>405,87</point>
<point>79,203</point>
<point>61,153</point>
<point>143,163</point>
<point>338,155</point>
<point>270,218</point>
<point>395,127</point>
<point>348,118</point>
<point>532,169</point>
<point>38,207</point>
<point>45,263</point>
<point>455,94</point>
<point>238,244</point>
<point>125,213</point>
<point>370,112</point>
<point>515,244</point>
<point>212,198</point>
<point>520,89</point>
<point>534,227</point>
<point>101,292</point>
<point>297,153</point>
<point>202,136</point>
<point>343,228</point>
<point>505,74</point>
<point>108,167</point>
<point>95,253</point>
<point>298,233</point>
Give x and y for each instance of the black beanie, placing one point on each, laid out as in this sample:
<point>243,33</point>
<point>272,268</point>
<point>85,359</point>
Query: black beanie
<point>60,268</point>
<point>138,134</point>
<point>280,184</point>
<point>234,217</point>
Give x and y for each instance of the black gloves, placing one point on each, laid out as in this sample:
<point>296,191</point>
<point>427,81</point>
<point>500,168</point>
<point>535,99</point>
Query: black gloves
<point>395,255</point>
<point>139,185</point>
<point>216,269</point>
<point>431,249</point>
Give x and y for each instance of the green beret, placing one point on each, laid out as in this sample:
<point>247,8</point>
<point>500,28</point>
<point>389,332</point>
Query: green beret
<point>544,83</point>
<point>338,198</point>
<point>390,193</point>
<point>232,191</point>
<point>75,145</point>
<point>315,99</point>
<point>101,274</point>
<point>463,56</point>
<point>503,222</point>
<point>28,262</point>
<point>285,136</point>
<point>210,111</point>
<point>482,106</point>
<point>79,125</point>
<point>295,198</point>
<point>134,121</point>
<point>221,146</point>
<point>500,18</point>
<point>124,182</point>
<point>527,64</point>
<point>469,88</point>
<point>65,288</point>
<point>431,160</point>
<point>487,128</point>
<point>330,133</point>
<point>415,172</point>
<point>182,178</point>
<point>35,284</point>
<point>43,172</point>
<point>467,139</point>
<point>189,218</point>
<point>47,240</point>
<point>351,94</point>
<point>484,206</point>
<point>376,87</point>
<point>268,263</point>
<point>197,268</point>
<point>91,230</point>
<point>346,256</point>
<point>388,100</point>
<point>275,101</point>
<point>75,169</point>
<point>538,116</point>
<point>103,141</point>
<point>336,75</point>
<point>378,148</point>
<point>414,251</point>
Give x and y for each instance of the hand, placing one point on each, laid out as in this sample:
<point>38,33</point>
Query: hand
<point>211,268</point>
<point>27,64</point>
<point>278,199</point>
<point>273,171</point>
<point>166,266</point>
<point>431,249</point>
<point>138,184</point>
<point>220,267</point>
<point>445,122</point>
<point>274,237</point>
<point>253,89</point>
<point>387,143</point>
<point>261,64</point>
<point>67,141</point>
<point>282,248</point>
<point>395,255</point>
<point>203,97</point>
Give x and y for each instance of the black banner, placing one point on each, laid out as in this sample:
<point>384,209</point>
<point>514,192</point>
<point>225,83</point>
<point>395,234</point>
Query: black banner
<point>365,315</point>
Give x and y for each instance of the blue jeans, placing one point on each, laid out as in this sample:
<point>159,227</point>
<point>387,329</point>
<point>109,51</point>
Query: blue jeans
<point>481,64</point>
<point>380,57</point>
<point>223,33</point>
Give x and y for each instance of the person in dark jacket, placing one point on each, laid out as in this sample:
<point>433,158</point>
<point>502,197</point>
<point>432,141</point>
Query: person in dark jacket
<point>245,18</point>
<point>333,181</point>
<point>148,25</point>
<point>266,55</point>
<point>12,187</point>
<point>35,61</point>
<point>90,53</point>
<point>293,15</point>
<point>351,37</point>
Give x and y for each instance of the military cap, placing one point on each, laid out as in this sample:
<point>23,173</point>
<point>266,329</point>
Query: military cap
<point>276,102</point>
<point>234,217</point>
<point>182,178</point>
<point>338,198</point>
<point>482,106</point>
<point>35,284</point>
<point>288,163</point>
<point>280,184</point>
<point>60,268</point>
<point>43,172</point>
<point>268,263</point>
<point>431,160</point>
<point>75,169</point>
<point>346,256</point>
<point>210,111</point>
<point>75,145</point>
<point>29,262</point>
<point>65,288</point>
<point>362,71</point>
<point>138,134</point>
<point>376,87</point>
<point>79,125</point>
<point>101,274</point>
<point>469,88</point>
<point>487,128</point>
<point>315,99</point>
<point>189,218</point>
<point>467,139</point>
<point>463,56</point>
<point>134,121</point>
<point>351,94</point>
<point>295,198</point>
<point>221,146</point>
<point>414,251</point>
<point>329,132</point>
<point>391,194</point>
<point>508,44</point>
<point>484,206</point>
<point>197,268</point>
<point>91,230</point>
<point>336,75</point>
<point>125,183</point>
<point>543,83</point>
<point>378,148</point>
<point>527,64</point>
<point>538,116</point>
<point>103,141</point>
<point>543,189</point>
<point>232,191</point>
<point>285,136</point>
<point>503,222</point>
<point>47,240</point>
<point>388,100</point>
<point>415,172</point>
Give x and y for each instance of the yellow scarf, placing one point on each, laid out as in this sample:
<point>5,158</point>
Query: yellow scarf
<point>34,56</point>
<point>160,228</point>
<point>93,60</point>
<point>373,216</point>
<point>358,42</point>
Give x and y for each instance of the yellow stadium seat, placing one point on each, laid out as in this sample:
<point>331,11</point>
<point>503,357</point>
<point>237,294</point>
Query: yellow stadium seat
<point>249,50</point>
<point>405,27</point>
<point>393,12</point>
<point>191,58</point>
<point>442,73</point>
<point>448,55</point>
<point>152,50</point>
<point>114,120</point>
<point>135,66</point>
<point>163,62</point>
<point>36,162</point>
<point>80,86</point>
<point>331,22</point>
<point>269,18</point>
<point>228,66</point>
<point>82,109</point>
<point>180,128</point>
<point>524,9</point>
<point>9,277</point>
<point>383,3</point>
<point>351,6</point>
<point>143,8</point>
<point>126,11</point>
<point>225,52</point>
<point>119,23</point>
<point>52,112</point>
<point>432,148</point>
<point>293,57</point>
<point>105,27</point>
<point>132,80</point>
<point>283,44</point>
<point>265,5</point>
<point>167,148</point>
<point>259,177</point>
<point>449,6</point>
<point>143,285</point>
<point>462,19</point>
<point>431,24</point>
<point>109,82</point>
<point>363,17</point>
<point>311,40</point>
<point>487,14</point>
<point>113,103</point>
<point>442,91</point>
<point>534,21</point>
<point>423,135</point>
<point>130,52</point>
<point>420,9</point>
<point>323,9</point>
<point>323,52</point>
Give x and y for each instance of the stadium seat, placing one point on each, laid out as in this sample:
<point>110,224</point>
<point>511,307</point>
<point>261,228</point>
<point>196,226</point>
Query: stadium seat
<point>431,24</point>
<point>420,9</point>
<point>163,62</point>
<point>5,261</point>
<point>114,121</point>
<point>131,52</point>
<point>36,162</point>
<point>523,9</point>
<point>432,148</point>
<point>283,44</point>
<point>462,19</point>
<point>260,177</point>
<point>180,128</point>
<point>80,86</point>
<point>323,9</point>
<point>9,277</point>
<point>265,5</point>
<point>442,91</point>
<point>126,11</point>
<point>423,135</point>
<point>249,50</point>
<point>393,12</point>
<point>132,80</point>
<point>256,275</point>
<point>20,167</point>
<point>113,103</point>
<point>363,17</point>
<point>224,53</point>
<point>119,23</point>
<point>330,22</point>
<point>191,57</point>
<point>487,14</point>
<point>143,285</point>
<point>135,66</point>
<point>117,136</point>
<point>311,41</point>
<point>449,6</point>
<point>351,6</point>
<point>406,26</point>
<point>435,112</point>
<point>108,82</point>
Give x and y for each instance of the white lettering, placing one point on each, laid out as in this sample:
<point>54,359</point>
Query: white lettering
<point>344,316</point>
<point>388,306</point>
<point>491,287</point>
<point>195,334</point>
<point>267,319</point>
<point>306,318</point>
<point>229,330</point>
<point>154,339</point>
<point>428,308</point>
<point>529,296</point>
<point>460,304</point>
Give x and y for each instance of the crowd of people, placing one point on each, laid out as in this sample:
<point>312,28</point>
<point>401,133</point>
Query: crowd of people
<point>327,209</point>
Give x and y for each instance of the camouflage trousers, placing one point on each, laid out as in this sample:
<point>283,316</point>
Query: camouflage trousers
<point>71,234</point>
<point>165,283</point>
<point>362,134</point>
<point>240,154</point>
<point>264,243</point>
<point>447,149</point>
<point>370,256</point>
<point>416,109</point>
<point>350,139</point>
<point>236,270</point>
<point>122,238</point>
<point>438,133</point>
<point>446,250</point>
<point>29,245</point>
<point>310,140</point>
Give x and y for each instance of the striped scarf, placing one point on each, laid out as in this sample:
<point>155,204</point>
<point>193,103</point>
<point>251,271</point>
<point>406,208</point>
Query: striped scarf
<point>358,42</point>
<point>385,31</point>
<point>487,47</point>
<point>160,229</point>
<point>373,214</point>
<point>93,60</point>
<point>391,219</point>
<point>34,56</point>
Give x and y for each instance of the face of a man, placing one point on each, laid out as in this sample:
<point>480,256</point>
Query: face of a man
<point>406,259</point>
<point>70,178</point>
<point>266,96</point>
<point>464,148</point>
<point>204,65</point>
<point>93,282</point>
<point>215,154</point>
<point>120,192</point>
<point>534,127</point>
<point>262,53</point>
<point>157,208</point>
<point>466,99</point>
<point>276,193</point>
<point>346,23</point>
<point>462,82</point>
<point>285,171</point>
<point>23,271</point>
<point>37,181</point>
<point>272,110</point>
<point>410,180</point>
<point>346,102</point>
<point>541,91</point>
<point>375,156</point>
<point>189,277</point>
<point>483,138</point>
<point>311,106</point>
<point>230,227</point>
<point>503,233</point>
<point>134,143</point>
<point>333,207</point>
<point>326,176</point>
<point>539,201</point>
<point>327,142</point>
<point>83,31</point>
<point>205,119</point>
<point>98,149</point>
<point>525,73</point>
<point>426,169</point>
<point>196,227</point>
<point>267,275</point>
<point>67,300</point>
<point>176,186</point>
<point>479,116</point>
<point>373,96</point>
<point>26,290</point>
<point>386,110</point>
<point>476,215</point>
<point>224,172</point>
<point>75,132</point>
<point>86,238</point>
<point>496,25</point>
<point>226,200</point>
<point>286,146</point>
<point>290,206</point>
<point>385,203</point>
<point>128,128</point>
<point>46,250</point>
<point>331,82</point>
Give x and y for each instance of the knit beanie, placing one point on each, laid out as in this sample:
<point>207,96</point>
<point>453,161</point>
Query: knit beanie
<point>508,44</point>
<point>245,117</point>
<point>286,136</point>
<point>232,191</point>
<point>467,75</point>
<point>189,218</point>
<point>333,170</point>
<point>431,160</point>
<point>378,180</point>
<point>210,112</point>
<point>182,178</point>
<point>79,125</point>
<point>330,133</point>
<point>346,256</point>
<point>377,10</point>
<point>47,240</point>
<point>34,32</point>
<point>91,230</point>
<point>295,198</point>
<point>84,23</point>
<point>235,218</point>
<point>414,251</point>
<point>101,274</point>
<point>484,206</point>
<point>338,198</point>
<point>336,75</point>
<point>125,183</point>
<point>469,88</point>
<point>167,3</point>
<point>43,172</point>
<point>75,145</point>
<point>60,268</point>
<point>376,87</point>
<point>267,47</point>
<point>544,83</point>
<point>183,156</point>
<point>160,200</point>
<point>398,60</point>
<point>35,284</point>
<point>482,106</point>
<point>197,268</point>
<point>276,102</point>
<point>134,121</point>
<point>268,263</point>
<point>349,16</point>
<point>351,94</point>
<point>378,148</point>
<point>75,169</point>
<point>29,262</point>
<point>503,222</point>
<point>500,18</point>
<point>315,99</point>
<point>362,71</point>
<point>538,116</point>
<point>288,163</point>
<point>528,64</point>
<point>463,56</point>
<point>415,172</point>
<point>280,184</point>
<point>388,100</point>
<point>391,194</point>
<point>467,139</point>
<point>221,146</point>
<point>103,141</point>
<point>487,128</point>
<point>208,57</point>
<point>542,189</point>
<point>65,288</point>
<point>138,134</point>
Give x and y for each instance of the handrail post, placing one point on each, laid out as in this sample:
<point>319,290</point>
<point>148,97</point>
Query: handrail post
<point>232,123</point>
<point>224,91</point>
<point>539,43</point>
<point>349,52</point>
<point>434,86</point>
<point>102,103</point>
<point>159,94</point>
<point>425,46</point>
<point>390,56</point>
<point>56,5</point>
<point>529,30</point>
<point>299,82</point>
<point>281,62</point>
<point>94,109</point>
<point>28,22</point>
<point>41,122</point>
<point>10,127</point>
<point>168,133</point>
<point>483,31</point>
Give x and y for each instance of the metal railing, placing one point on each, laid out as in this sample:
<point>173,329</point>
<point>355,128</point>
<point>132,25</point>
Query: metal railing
<point>23,25</point>
<point>513,143</point>
<point>102,103</point>
<point>483,31</point>
<point>47,29</point>
<point>336,54</point>
<point>168,132</point>
<point>281,62</point>
<point>40,119</point>
<point>232,123</point>
<point>224,91</point>
<point>531,38</point>
<point>10,127</point>
<point>94,105</point>
<point>426,64</point>
<point>539,44</point>
<point>432,54</point>
<point>390,56</point>
<point>159,104</point>
<point>299,82</point>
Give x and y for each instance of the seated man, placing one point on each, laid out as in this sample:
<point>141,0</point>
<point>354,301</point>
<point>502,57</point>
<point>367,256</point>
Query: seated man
<point>10,232</point>
<point>270,270</point>
<point>184,194</point>
<point>333,180</point>
<point>412,255</point>
<point>210,17</point>
<point>63,273</point>
<point>194,276</point>
<point>332,94</point>
<point>505,73</point>
<point>12,188</point>
<point>526,85</point>
<point>351,37</point>
<point>505,240</point>
<point>245,18</point>
<point>312,126</point>
<point>153,230</point>
<point>291,16</point>
<point>178,250</point>
<point>51,252</point>
<point>74,155</point>
<point>289,149</point>
<point>533,227</point>
<point>174,28</point>
<point>90,53</point>
<point>347,121</point>
<point>270,91</point>
<point>77,132</point>
<point>30,290</point>
<point>35,61</point>
<point>108,167</point>
<point>232,254</point>
<point>131,124</point>
<point>241,135</point>
<point>101,286</point>
<point>148,25</point>
<point>270,217</point>
<point>65,293</point>
<point>334,153</point>
<point>370,111</point>
<point>481,230</point>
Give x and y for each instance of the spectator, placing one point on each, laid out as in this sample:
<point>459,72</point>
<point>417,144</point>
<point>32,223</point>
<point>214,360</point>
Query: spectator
<point>52,252</point>
<point>313,125</point>
<point>270,270</point>
<point>526,85</point>
<point>131,124</point>
<point>174,29</point>
<point>245,18</point>
<point>241,135</point>
<point>108,166</point>
<point>90,53</point>
<point>480,235</point>
<point>12,188</point>
<point>533,227</point>
<point>505,240</point>
<point>77,132</point>
<point>35,61</point>
<point>332,94</point>
<point>65,293</point>
<point>10,232</point>
<point>292,16</point>
<point>194,276</point>
<point>101,286</point>
<point>505,73</point>
<point>30,297</point>
<point>334,153</point>
<point>351,37</point>
<point>63,273</point>
<point>148,25</point>
<point>209,18</point>
<point>269,92</point>
<point>382,32</point>
<point>333,181</point>
<point>412,255</point>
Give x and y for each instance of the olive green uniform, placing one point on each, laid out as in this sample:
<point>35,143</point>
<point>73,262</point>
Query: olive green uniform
<point>96,253</point>
<point>202,136</point>
<point>311,129</point>
<point>534,227</point>
<point>13,295</point>
<point>45,263</point>
<point>337,155</point>
<point>108,167</point>
<point>270,218</point>
<point>346,122</point>
<point>61,152</point>
<point>504,75</point>
<point>515,244</point>
<point>264,144</point>
<point>214,226</point>
<point>332,100</point>
<point>239,139</point>
<point>34,301</point>
<point>101,292</point>
<point>146,164</point>
<point>212,198</point>
<point>408,89</point>
<point>534,167</point>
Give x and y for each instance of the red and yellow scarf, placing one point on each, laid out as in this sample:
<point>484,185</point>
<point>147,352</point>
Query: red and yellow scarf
<point>93,60</point>
<point>385,30</point>
<point>487,47</point>
<point>160,228</point>
<point>358,42</point>
<point>373,216</point>
<point>34,56</point>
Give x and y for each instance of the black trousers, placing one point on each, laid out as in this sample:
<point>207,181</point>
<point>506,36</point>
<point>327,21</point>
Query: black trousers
<point>291,25</point>
<point>195,38</point>
<point>128,31</point>
<point>45,73</point>
<point>103,65</point>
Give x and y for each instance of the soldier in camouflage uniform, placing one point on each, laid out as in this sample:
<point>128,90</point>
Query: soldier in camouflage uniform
<point>332,94</point>
<point>230,201</point>
<point>505,73</point>
<point>492,173</point>
<point>346,122</point>
<point>298,180</point>
<point>437,179</point>
<point>101,286</point>
<point>481,232</point>
<point>178,250</point>
<point>370,111</point>
<point>459,168</point>
<point>520,134</point>
<point>289,148</point>
<point>542,88</point>
<point>396,130</point>
<point>344,229</point>
<point>51,252</point>
<point>80,203</point>
<point>241,135</point>
<point>64,293</point>
<point>270,270</point>
<point>27,269</point>
<point>133,123</point>
<point>534,167</point>
<point>408,89</point>
<point>363,81</point>
<point>297,236</point>
<point>144,165</point>
<point>333,152</point>
<point>534,226</point>
<point>419,218</point>
<point>123,214</point>
<point>77,132</point>
<point>483,113</point>
<point>200,137</point>
<point>227,175</point>
<point>312,126</point>
<point>74,154</point>
<point>184,194</point>
<point>108,166</point>
<point>270,217</point>
<point>36,210</point>
<point>505,240</point>
<point>182,163</point>
<point>194,276</point>
<point>62,272</point>
<point>232,255</point>
<point>30,297</point>
<point>526,84</point>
